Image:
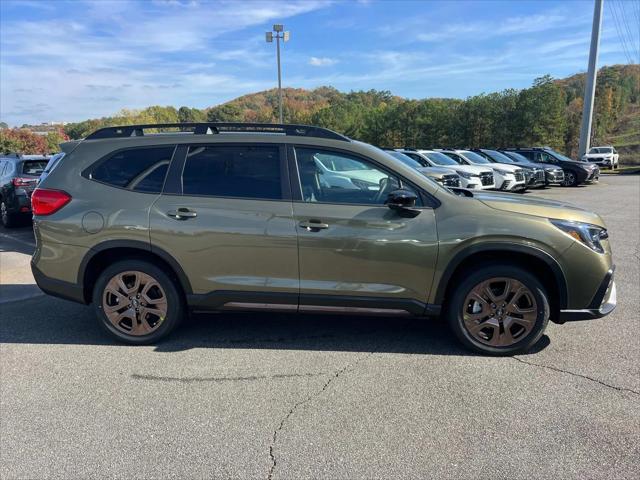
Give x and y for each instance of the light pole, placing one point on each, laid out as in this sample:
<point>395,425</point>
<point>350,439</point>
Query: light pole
<point>590,82</point>
<point>284,36</point>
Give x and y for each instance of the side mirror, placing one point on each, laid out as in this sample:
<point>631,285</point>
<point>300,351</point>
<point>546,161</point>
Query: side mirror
<point>403,202</point>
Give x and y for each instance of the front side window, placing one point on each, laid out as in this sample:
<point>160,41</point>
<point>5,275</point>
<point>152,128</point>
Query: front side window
<point>324,178</point>
<point>139,169</point>
<point>233,171</point>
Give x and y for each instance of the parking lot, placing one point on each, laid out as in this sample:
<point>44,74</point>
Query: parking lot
<point>285,396</point>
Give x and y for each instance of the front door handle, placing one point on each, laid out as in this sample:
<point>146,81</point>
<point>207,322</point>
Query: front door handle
<point>314,225</point>
<point>182,213</point>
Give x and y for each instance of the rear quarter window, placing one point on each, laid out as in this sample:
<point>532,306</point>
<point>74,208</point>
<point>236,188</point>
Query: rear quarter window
<point>138,169</point>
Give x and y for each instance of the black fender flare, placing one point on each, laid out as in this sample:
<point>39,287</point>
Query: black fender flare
<point>501,247</point>
<point>137,245</point>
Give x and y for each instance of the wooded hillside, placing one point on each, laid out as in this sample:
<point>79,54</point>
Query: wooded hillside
<point>547,113</point>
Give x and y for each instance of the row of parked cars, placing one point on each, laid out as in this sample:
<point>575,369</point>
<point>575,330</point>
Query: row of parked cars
<point>511,170</point>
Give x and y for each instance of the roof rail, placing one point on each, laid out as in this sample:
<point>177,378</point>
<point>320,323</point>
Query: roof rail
<point>204,128</point>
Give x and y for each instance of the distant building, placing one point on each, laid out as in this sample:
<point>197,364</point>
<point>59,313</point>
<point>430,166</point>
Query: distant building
<point>45,128</point>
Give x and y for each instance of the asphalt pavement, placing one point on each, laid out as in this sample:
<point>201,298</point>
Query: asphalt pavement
<point>283,396</point>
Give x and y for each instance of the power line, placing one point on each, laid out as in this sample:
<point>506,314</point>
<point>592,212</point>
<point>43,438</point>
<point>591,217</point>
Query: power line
<point>625,22</point>
<point>622,38</point>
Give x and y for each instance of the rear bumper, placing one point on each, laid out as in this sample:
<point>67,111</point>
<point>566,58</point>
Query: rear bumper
<point>604,302</point>
<point>58,288</point>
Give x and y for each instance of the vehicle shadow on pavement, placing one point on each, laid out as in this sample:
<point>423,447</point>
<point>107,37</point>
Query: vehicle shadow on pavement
<point>46,320</point>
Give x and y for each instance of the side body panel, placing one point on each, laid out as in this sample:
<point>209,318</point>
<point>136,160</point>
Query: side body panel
<point>232,244</point>
<point>366,251</point>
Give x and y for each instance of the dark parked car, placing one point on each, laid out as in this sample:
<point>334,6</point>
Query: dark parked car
<point>534,174</point>
<point>575,173</point>
<point>553,173</point>
<point>19,176</point>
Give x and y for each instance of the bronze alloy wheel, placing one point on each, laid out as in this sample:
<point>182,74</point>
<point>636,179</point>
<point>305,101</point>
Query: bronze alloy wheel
<point>499,312</point>
<point>134,303</point>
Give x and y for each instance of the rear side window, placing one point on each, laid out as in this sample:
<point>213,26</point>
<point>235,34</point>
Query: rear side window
<point>139,169</point>
<point>233,171</point>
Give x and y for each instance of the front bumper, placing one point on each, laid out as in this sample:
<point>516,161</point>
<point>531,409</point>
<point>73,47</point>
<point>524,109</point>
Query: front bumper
<point>604,302</point>
<point>556,176</point>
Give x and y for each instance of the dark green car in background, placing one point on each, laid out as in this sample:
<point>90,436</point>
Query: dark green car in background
<point>149,226</point>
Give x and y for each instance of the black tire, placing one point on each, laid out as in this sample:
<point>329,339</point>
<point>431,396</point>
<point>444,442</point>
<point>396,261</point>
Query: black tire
<point>9,220</point>
<point>175,309</point>
<point>570,179</point>
<point>456,305</point>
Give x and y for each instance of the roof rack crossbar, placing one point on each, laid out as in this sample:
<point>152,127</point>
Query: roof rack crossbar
<point>205,128</point>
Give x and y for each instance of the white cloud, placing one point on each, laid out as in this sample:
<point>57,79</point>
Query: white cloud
<point>322,61</point>
<point>130,55</point>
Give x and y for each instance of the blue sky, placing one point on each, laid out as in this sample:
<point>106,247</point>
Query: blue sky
<point>72,60</point>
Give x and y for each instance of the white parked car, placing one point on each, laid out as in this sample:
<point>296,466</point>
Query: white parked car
<point>471,176</point>
<point>606,157</point>
<point>510,178</point>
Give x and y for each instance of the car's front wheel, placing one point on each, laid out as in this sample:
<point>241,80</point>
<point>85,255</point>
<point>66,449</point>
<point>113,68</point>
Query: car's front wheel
<point>137,302</point>
<point>498,310</point>
<point>570,179</point>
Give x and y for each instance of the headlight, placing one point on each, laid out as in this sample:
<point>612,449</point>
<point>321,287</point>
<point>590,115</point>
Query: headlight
<point>586,233</point>
<point>465,174</point>
<point>501,172</point>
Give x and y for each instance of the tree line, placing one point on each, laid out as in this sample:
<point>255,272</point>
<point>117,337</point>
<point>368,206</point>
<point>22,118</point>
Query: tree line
<point>547,113</point>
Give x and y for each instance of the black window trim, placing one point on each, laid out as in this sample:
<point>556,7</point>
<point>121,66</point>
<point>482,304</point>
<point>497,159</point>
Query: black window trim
<point>175,186</point>
<point>429,202</point>
<point>86,173</point>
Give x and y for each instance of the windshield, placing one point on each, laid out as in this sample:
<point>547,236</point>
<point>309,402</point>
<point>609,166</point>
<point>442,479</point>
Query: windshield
<point>33,167</point>
<point>499,157</point>
<point>473,157</point>
<point>559,156</point>
<point>517,157</point>
<point>439,158</point>
<point>600,150</point>
<point>405,159</point>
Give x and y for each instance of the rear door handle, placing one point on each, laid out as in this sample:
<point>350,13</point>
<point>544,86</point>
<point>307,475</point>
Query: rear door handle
<point>313,225</point>
<point>182,213</point>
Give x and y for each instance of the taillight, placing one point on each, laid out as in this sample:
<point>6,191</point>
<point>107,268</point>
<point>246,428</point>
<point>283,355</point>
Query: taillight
<point>46,202</point>
<point>24,182</point>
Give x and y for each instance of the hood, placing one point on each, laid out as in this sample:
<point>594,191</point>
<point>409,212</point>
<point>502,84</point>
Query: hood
<point>472,169</point>
<point>536,206</point>
<point>507,167</point>
<point>435,171</point>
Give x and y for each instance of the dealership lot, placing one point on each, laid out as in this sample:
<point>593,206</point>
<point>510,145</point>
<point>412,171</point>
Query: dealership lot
<point>278,396</point>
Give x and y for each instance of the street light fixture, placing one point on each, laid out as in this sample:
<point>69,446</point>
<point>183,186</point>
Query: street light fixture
<point>280,34</point>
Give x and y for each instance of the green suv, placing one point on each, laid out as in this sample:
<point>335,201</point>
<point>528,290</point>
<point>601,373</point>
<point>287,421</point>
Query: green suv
<point>216,216</point>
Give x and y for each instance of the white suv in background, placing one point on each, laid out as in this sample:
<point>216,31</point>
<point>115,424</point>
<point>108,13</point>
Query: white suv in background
<point>510,178</point>
<point>472,177</point>
<point>603,156</point>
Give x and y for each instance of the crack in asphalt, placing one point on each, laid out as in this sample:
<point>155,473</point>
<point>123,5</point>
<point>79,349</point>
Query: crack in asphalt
<point>336,374</point>
<point>136,376</point>
<point>579,375</point>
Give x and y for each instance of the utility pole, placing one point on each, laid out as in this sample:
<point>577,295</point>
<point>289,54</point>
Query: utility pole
<point>590,84</point>
<point>284,36</point>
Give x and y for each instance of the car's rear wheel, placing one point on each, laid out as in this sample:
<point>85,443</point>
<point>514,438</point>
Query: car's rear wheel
<point>570,179</point>
<point>499,310</point>
<point>137,302</point>
<point>7,218</point>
